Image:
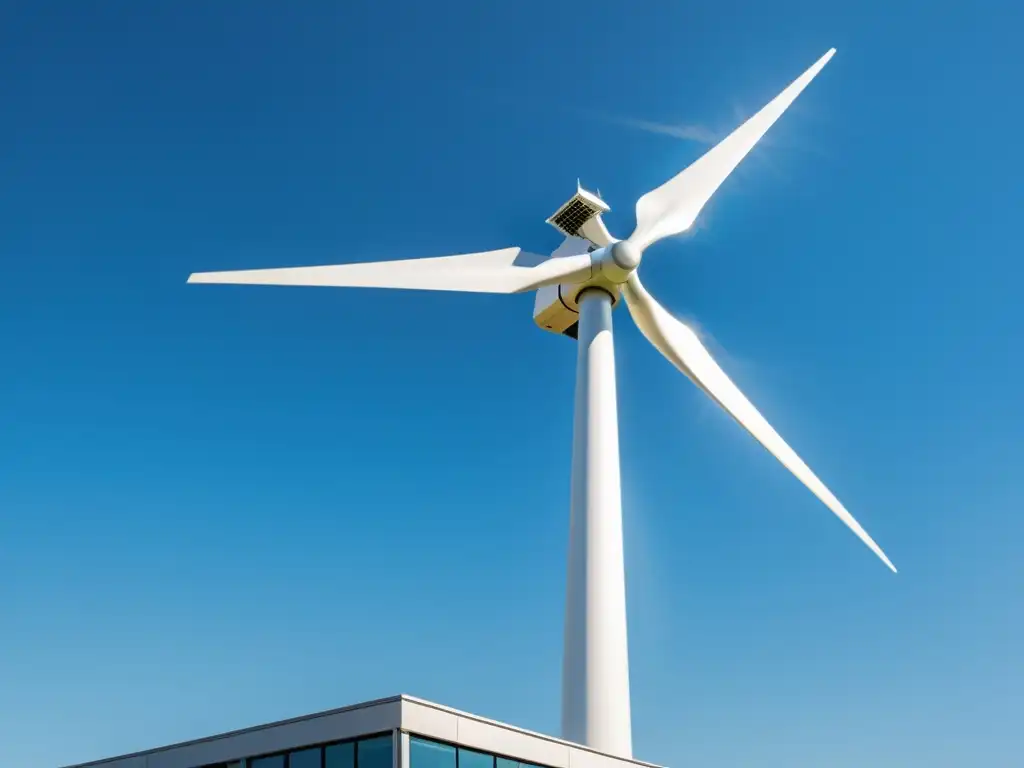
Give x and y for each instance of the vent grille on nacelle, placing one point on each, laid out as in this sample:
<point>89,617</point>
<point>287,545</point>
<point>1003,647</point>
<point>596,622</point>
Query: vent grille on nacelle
<point>573,216</point>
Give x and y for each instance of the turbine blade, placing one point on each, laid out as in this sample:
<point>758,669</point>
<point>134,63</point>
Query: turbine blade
<point>682,347</point>
<point>673,207</point>
<point>499,271</point>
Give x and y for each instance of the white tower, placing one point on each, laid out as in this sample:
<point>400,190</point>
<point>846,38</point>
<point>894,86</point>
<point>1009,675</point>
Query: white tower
<point>595,666</point>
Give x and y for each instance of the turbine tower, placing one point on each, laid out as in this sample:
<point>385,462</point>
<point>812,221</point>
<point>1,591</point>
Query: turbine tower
<point>577,288</point>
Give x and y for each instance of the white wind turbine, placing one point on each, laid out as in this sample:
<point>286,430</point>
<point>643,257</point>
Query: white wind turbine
<point>577,287</point>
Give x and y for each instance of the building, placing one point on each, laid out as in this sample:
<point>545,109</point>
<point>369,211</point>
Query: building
<point>399,732</point>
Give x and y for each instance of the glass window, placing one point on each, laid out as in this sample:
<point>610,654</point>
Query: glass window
<point>470,759</point>
<point>374,753</point>
<point>305,758</point>
<point>429,754</point>
<point>340,756</point>
<point>504,762</point>
<point>276,761</point>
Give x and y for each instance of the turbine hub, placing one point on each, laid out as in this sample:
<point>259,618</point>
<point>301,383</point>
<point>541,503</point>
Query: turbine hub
<point>618,261</point>
<point>626,255</point>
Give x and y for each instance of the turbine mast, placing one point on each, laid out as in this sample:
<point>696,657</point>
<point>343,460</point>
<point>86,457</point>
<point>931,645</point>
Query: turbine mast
<point>595,666</point>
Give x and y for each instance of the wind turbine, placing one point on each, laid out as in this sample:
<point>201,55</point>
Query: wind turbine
<point>577,288</point>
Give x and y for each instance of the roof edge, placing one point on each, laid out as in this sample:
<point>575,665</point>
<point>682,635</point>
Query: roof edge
<point>241,731</point>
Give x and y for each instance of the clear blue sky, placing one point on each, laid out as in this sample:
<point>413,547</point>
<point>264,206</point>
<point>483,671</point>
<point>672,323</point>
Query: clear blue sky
<point>225,505</point>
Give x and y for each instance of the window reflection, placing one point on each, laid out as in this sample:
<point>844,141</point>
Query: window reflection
<point>340,756</point>
<point>505,762</point>
<point>275,761</point>
<point>470,759</point>
<point>430,754</point>
<point>305,758</point>
<point>375,753</point>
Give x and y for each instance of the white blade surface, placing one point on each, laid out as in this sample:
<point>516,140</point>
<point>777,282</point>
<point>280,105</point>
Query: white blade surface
<point>683,348</point>
<point>487,272</point>
<point>673,207</point>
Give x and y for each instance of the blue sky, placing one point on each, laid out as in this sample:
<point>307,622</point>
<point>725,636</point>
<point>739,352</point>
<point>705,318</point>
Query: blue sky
<point>225,505</point>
